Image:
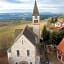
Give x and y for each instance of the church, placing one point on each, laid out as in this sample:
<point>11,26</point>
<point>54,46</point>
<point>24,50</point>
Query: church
<point>25,49</point>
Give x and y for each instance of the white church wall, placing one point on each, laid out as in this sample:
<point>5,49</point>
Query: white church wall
<point>36,29</point>
<point>23,47</point>
<point>36,26</point>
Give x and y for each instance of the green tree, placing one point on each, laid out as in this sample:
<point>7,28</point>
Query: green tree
<point>45,34</point>
<point>56,19</point>
<point>56,37</point>
<point>53,20</point>
<point>61,34</point>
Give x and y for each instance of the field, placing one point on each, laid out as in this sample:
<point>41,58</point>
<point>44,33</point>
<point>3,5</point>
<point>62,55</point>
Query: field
<point>7,34</point>
<point>7,31</point>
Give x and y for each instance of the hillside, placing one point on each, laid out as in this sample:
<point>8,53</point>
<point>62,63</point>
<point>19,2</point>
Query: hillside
<point>52,20</point>
<point>7,31</point>
<point>26,15</point>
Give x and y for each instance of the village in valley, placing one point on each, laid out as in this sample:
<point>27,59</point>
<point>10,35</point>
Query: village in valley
<point>38,42</point>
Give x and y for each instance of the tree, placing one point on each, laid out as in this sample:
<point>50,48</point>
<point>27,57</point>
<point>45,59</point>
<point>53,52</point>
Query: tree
<point>56,37</point>
<point>52,37</point>
<point>53,20</point>
<point>56,19</point>
<point>61,33</point>
<point>45,34</point>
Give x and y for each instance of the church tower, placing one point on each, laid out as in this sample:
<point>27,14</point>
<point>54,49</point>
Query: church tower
<point>36,20</point>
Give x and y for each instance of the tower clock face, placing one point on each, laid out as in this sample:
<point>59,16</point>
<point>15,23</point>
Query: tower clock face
<point>35,21</point>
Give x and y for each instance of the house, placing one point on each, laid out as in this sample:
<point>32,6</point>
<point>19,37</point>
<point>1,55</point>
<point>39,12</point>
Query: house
<point>59,26</point>
<point>25,49</point>
<point>60,51</point>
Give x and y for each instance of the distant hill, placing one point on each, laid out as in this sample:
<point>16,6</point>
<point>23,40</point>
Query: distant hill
<point>25,16</point>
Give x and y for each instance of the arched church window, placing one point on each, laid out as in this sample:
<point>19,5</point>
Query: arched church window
<point>28,52</point>
<point>22,41</point>
<point>16,63</point>
<point>18,53</point>
<point>30,62</point>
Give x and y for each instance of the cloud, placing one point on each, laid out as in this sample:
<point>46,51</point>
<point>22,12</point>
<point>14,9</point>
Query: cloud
<point>27,5</point>
<point>19,1</point>
<point>12,1</point>
<point>14,7</point>
<point>51,1</point>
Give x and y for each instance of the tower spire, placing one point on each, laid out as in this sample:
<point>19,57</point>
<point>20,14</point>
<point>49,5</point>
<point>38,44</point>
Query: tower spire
<point>36,21</point>
<point>35,10</point>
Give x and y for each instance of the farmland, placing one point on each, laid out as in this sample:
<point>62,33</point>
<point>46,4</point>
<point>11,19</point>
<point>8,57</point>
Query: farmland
<point>7,31</point>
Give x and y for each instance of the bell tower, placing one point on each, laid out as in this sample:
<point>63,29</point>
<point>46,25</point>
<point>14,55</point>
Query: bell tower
<point>36,20</point>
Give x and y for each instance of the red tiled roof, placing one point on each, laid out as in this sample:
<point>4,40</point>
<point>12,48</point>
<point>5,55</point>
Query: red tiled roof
<point>61,46</point>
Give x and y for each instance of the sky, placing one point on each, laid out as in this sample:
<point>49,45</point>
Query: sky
<point>11,6</point>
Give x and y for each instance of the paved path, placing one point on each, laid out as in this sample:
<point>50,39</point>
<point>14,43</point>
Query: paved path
<point>44,56</point>
<point>53,59</point>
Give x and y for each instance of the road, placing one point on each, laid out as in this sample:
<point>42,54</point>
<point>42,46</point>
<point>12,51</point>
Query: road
<point>44,56</point>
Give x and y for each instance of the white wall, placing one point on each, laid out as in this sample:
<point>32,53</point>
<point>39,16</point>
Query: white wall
<point>38,18</point>
<point>36,26</point>
<point>27,45</point>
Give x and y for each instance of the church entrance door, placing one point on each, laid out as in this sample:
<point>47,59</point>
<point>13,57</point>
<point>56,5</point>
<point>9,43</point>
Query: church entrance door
<point>23,62</point>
